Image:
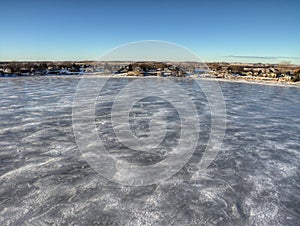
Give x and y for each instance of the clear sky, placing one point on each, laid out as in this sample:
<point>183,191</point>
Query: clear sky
<point>245,31</point>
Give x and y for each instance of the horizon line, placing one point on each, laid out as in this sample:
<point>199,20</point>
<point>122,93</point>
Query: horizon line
<point>74,61</point>
<point>262,57</point>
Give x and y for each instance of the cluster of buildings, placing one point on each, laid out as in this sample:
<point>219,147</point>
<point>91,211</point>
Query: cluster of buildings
<point>278,72</point>
<point>38,68</point>
<point>151,69</point>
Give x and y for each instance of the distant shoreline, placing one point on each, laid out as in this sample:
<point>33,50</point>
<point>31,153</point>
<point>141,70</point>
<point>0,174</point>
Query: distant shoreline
<point>285,74</point>
<point>258,82</point>
<point>239,80</point>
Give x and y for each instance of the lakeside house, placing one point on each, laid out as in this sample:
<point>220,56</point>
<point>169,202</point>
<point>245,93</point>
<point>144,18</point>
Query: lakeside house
<point>151,69</point>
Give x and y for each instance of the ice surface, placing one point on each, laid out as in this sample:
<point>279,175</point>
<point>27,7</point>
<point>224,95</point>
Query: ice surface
<point>44,180</point>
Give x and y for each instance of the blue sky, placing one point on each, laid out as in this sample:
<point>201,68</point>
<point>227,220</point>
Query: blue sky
<point>251,31</point>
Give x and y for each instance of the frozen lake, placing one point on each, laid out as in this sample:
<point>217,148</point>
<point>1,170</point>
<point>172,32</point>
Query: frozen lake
<point>254,180</point>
